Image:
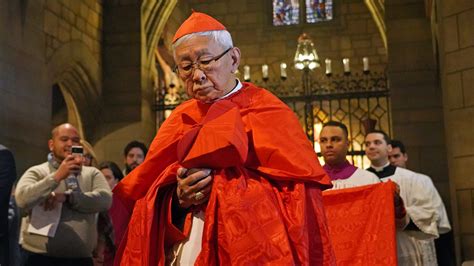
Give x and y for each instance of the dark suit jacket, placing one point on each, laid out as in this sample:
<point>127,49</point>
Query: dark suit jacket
<point>7,178</point>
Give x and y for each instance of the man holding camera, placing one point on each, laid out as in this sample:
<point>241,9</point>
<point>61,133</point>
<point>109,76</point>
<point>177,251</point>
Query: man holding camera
<point>61,199</point>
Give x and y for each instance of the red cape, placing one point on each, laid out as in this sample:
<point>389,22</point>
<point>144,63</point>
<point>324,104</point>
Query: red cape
<point>266,203</point>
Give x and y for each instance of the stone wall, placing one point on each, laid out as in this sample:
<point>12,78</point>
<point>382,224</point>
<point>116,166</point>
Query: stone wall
<point>417,99</point>
<point>456,35</point>
<point>352,34</point>
<point>97,52</point>
<point>25,100</point>
<point>67,21</point>
<point>130,30</point>
<point>43,43</point>
<point>73,48</point>
<point>416,94</point>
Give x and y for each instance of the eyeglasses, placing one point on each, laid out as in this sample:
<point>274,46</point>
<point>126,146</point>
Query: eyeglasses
<point>204,65</point>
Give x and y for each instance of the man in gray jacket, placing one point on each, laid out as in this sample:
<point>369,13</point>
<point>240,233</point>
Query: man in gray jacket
<point>42,190</point>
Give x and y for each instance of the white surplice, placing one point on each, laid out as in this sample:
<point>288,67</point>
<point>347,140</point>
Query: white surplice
<point>427,247</point>
<point>426,210</point>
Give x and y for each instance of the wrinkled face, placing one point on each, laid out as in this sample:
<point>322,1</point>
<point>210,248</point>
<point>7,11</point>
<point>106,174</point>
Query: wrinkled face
<point>63,139</point>
<point>134,158</point>
<point>109,176</point>
<point>397,158</point>
<point>334,145</point>
<point>377,149</point>
<point>209,79</point>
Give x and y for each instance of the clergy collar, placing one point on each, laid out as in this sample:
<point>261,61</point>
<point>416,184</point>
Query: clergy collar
<point>238,86</point>
<point>379,168</point>
<point>387,170</point>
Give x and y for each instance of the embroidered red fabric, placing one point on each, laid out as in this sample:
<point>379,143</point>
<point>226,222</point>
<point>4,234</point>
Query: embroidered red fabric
<point>361,223</point>
<point>266,204</point>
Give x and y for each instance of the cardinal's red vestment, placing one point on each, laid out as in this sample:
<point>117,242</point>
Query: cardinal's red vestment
<point>265,206</point>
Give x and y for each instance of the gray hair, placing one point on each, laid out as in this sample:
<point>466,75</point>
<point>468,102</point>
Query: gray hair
<point>222,37</point>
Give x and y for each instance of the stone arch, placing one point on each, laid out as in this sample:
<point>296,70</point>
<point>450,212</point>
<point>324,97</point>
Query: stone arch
<point>72,115</point>
<point>377,10</point>
<point>155,15</point>
<point>74,68</point>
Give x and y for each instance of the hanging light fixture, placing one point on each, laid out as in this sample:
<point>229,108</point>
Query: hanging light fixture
<point>306,56</point>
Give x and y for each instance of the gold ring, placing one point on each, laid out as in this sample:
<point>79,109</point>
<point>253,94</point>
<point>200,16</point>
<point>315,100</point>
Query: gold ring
<point>199,195</point>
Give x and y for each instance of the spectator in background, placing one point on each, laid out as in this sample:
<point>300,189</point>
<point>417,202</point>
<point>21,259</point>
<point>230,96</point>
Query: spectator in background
<point>134,154</point>
<point>112,173</point>
<point>14,219</point>
<point>90,159</point>
<point>105,251</point>
<point>43,192</point>
<point>7,178</point>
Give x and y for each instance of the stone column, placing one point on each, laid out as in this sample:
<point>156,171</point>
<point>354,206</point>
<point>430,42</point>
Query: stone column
<point>456,35</point>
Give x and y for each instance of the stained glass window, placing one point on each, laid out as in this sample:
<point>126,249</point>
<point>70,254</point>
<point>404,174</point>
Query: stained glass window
<point>318,10</point>
<point>286,12</point>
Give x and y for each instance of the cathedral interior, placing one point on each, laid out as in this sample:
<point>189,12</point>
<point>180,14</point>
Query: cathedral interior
<point>105,66</point>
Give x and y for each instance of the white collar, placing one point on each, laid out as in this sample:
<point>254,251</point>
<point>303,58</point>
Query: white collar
<point>237,87</point>
<point>380,168</point>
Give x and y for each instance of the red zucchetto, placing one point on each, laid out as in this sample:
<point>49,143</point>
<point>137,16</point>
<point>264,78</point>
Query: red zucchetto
<point>197,22</point>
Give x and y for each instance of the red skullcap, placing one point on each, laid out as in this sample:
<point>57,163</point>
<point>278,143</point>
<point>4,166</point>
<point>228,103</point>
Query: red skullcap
<point>197,22</point>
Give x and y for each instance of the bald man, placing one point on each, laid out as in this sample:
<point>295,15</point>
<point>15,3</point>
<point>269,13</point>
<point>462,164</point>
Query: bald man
<point>42,192</point>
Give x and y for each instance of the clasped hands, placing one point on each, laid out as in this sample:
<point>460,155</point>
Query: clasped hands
<point>194,186</point>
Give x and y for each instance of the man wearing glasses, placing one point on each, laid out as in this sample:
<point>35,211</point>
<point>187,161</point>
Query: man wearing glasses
<point>230,177</point>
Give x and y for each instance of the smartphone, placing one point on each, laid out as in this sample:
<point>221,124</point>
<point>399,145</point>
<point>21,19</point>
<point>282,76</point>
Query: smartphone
<point>72,184</point>
<point>77,150</point>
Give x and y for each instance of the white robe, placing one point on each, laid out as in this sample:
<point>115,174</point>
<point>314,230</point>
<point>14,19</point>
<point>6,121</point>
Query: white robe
<point>360,177</point>
<point>426,210</point>
<point>427,247</point>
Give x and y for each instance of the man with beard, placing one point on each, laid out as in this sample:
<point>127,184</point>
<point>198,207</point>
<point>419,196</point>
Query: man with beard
<point>42,192</point>
<point>134,154</point>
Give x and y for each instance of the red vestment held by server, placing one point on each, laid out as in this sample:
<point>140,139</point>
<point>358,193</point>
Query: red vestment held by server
<point>361,223</point>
